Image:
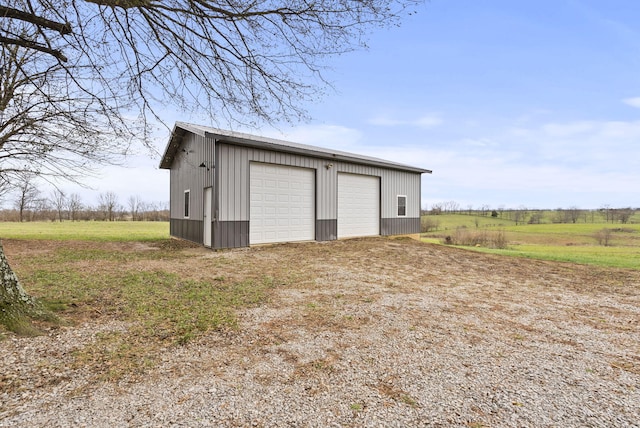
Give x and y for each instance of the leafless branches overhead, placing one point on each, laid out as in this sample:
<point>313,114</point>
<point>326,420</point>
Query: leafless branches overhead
<point>86,71</point>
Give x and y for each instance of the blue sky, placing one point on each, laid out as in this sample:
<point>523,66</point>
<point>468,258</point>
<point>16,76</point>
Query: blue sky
<point>510,103</point>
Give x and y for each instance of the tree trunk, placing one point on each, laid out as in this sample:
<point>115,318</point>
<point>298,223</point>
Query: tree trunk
<point>16,306</point>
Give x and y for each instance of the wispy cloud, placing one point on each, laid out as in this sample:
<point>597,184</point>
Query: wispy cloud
<point>427,121</point>
<point>336,136</point>
<point>633,102</point>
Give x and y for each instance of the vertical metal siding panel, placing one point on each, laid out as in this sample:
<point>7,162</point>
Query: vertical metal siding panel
<point>222,183</point>
<point>197,194</point>
<point>224,235</point>
<point>228,172</point>
<point>386,184</point>
<point>238,172</point>
<point>231,188</point>
<point>321,195</point>
<point>234,182</point>
<point>226,186</point>
<point>333,193</point>
<point>244,201</point>
<point>230,184</point>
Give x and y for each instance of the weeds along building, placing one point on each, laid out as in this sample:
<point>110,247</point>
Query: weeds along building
<point>234,190</point>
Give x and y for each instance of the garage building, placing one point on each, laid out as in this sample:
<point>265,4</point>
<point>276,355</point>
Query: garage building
<point>230,189</point>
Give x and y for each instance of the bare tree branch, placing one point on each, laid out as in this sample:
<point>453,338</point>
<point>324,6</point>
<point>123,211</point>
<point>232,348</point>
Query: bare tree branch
<point>82,80</point>
<point>9,12</point>
<point>56,53</point>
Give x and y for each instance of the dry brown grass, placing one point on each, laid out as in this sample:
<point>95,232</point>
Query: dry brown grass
<point>344,288</point>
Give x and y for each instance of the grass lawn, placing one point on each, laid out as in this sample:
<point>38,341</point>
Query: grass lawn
<point>117,231</point>
<point>577,243</point>
<point>623,257</point>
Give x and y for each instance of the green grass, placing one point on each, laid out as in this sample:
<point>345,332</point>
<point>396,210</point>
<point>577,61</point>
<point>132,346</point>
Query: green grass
<point>161,308</point>
<point>621,257</point>
<point>146,287</point>
<point>576,243</point>
<point>159,303</point>
<point>117,231</point>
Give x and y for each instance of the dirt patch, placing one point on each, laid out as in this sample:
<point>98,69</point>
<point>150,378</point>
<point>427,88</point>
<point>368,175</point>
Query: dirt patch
<point>360,332</point>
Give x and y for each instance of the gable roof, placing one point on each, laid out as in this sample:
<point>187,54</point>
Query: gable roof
<point>238,138</point>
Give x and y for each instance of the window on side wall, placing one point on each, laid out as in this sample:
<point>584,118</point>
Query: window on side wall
<point>186,203</point>
<point>402,206</point>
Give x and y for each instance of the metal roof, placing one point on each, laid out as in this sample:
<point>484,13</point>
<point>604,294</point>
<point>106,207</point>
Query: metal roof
<point>239,138</point>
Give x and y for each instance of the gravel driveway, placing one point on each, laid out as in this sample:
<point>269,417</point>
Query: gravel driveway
<point>374,332</point>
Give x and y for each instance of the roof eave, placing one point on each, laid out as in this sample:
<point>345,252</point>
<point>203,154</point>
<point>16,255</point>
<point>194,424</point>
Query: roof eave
<point>175,141</point>
<point>181,128</point>
<point>312,153</point>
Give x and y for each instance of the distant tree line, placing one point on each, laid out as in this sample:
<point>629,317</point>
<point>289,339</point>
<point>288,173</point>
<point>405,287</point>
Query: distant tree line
<point>24,201</point>
<point>524,215</point>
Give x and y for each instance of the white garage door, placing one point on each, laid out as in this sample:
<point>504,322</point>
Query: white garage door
<point>358,205</point>
<point>282,207</point>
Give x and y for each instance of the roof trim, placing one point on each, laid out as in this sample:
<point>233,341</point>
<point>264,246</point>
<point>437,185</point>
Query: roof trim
<point>238,138</point>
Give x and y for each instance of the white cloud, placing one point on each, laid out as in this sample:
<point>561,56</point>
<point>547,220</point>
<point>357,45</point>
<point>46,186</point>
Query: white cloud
<point>427,121</point>
<point>340,137</point>
<point>633,102</point>
<point>568,129</point>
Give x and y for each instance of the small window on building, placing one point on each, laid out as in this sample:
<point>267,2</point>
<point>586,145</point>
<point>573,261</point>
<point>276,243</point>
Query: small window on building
<point>402,206</point>
<point>186,203</point>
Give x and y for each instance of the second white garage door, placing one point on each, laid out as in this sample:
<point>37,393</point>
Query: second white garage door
<point>358,205</point>
<point>282,204</point>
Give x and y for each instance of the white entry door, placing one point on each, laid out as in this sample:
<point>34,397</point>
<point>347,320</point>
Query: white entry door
<point>282,203</point>
<point>358,205</point>
<point>207,217</point>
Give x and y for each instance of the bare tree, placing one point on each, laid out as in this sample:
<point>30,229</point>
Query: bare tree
<point>573,214</point>
<point>26,194</point>
<point>74,206</point>
<point>248,61</point>
<point>107,204</point>
<point>59,201</point>
<point>603,236</point>
<point>606,209</point>
<point>536,218</point>
<point>520,214</point>
<point>451,206</point>
<point>135,205</point>
<point>48,125</point>
<point>81,80</point>
<point>437,209</point>
<point>622,215</point>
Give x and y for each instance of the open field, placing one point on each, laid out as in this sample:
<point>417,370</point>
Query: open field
<point>363,332</point>
<point>577,243</point>
<point>86,230</point>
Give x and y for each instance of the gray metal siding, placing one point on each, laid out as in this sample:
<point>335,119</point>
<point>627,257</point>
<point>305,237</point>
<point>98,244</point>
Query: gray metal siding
<point>230,234</point>
<point>190,230</point>
<point>326,230</point>
<point>234,180</point>
<point>233,164</point>
<point>392,184</point>
<point>399,226</point>
<point>231,181</point>
<point>186,174</point>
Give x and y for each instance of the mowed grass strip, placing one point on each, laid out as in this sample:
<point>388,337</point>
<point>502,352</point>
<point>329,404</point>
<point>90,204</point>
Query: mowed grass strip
<point>105,231</point>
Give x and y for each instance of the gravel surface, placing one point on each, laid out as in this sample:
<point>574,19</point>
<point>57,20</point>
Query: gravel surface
<point>380,332</point>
